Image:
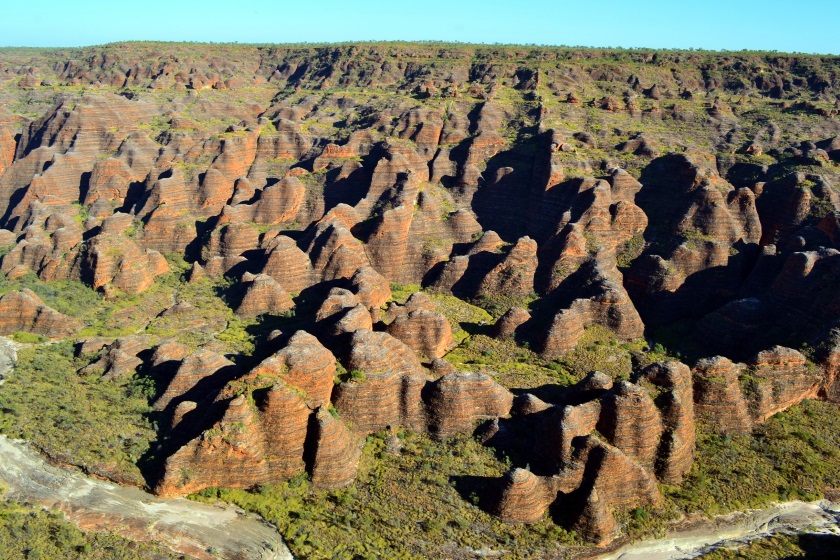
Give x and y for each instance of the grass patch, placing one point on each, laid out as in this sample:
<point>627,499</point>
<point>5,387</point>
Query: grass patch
<point>67,296</point>
<point>27,532</point>
<point>101,426</point>
<point>498,304</point>
<point>461,315</point>
<point>794,455</point>
<point>646,523</point>
<point>401,292</point>
<point>518,367</point>
<point>28,338</point>
<point>211,320</point>
<point>123,315</point>
<point>629,251</point>
<point>204,296</point>
<point>511,365</point>
<point>778,547</point>
<point>599,350</point>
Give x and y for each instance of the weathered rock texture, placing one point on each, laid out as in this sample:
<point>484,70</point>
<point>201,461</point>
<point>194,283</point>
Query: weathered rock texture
<point>268,416</point>
<point>734,397</point>
<point>479,175</point>
<point>587,477</point>
<point>427,333</point>
<point>263,294</point>
<point>718,397</point>
<point>24,311</point>
<point>388,394</point>
<point>457,401</point>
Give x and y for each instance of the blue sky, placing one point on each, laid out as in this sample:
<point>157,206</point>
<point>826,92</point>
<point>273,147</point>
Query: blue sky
<point>804,26</point>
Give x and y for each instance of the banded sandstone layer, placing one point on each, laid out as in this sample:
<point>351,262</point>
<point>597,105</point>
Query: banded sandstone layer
<point>683,198</point>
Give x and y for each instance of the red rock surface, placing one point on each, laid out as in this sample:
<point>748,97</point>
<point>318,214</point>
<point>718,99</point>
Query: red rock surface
<point>263,294</point>
<point>336,301</point>
<point>427,333</point>
<point>676,448</point>
<point>304,364</point>
<point>24,311</point>
<point>230,455</point>
<point>199,366</point>
<point>717,395</point>
<point>251,444</point>
<point>610,307</point>
<point>335,253</point>
<point>601,480</point>
<point>287,264</point>
<point>781,378</point>
<point>337,453</point>
<point>372,289</point>
<point>515,274</point>
<point>120,358</point>
<point>570,422</point>
<point>115,262</point>
<point>352,319</point>
<point>389,393</point>
<point>631,422</point>
<point>436,177</point>
<point>416,302</point>
<point>524,497</point>
<point>613,481</point>
<point>457,401</point>
<point>510,321</point>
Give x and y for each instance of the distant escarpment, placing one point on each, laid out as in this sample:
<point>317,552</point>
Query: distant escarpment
<point>354,206</point>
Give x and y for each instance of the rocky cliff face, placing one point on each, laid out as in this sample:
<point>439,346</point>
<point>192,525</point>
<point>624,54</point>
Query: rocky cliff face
<point>316,187</point>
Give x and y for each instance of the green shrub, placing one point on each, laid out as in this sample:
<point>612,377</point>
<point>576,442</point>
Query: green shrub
<point>777,547</point>
<point>84,420</point>
<point>28,532</point>
<point>392,497</point>
<point>401,292</point>
<point>794,455</point>
<point>27,338</point>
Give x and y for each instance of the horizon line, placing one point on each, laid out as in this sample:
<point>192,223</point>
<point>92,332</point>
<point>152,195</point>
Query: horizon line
<point>424,42</point>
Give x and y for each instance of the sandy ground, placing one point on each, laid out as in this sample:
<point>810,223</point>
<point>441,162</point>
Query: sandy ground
<point>733,530</point>
<point>186,527</point>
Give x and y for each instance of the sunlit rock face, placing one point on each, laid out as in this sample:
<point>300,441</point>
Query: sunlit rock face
<point>344,242</point>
